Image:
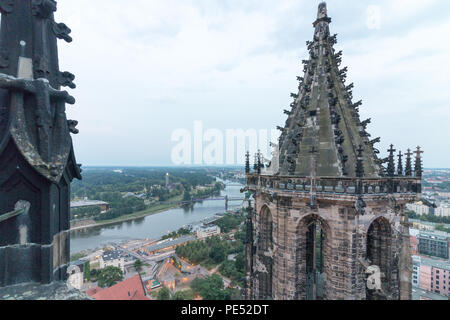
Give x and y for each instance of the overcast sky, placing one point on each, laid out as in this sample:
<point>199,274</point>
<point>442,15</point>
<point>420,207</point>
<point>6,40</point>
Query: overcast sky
<point>145,68</point>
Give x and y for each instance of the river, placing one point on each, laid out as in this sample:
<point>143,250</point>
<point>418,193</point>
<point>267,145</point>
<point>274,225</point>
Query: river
<point>152,226</point>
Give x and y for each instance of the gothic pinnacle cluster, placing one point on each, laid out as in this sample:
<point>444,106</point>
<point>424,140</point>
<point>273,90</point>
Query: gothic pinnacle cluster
<point>328,215</point>
<point>37,160</point>
<point>324,117</point>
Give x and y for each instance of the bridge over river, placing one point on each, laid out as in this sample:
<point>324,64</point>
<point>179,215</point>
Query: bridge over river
<point>159,224</point>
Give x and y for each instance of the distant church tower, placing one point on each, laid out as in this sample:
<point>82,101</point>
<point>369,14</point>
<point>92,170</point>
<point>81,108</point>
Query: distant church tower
<point>330,223</point>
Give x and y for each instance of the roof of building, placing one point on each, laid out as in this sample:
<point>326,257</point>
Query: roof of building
<point>87,203</point>
<point>112,255</point>
<point>323,120</point>
<point>435,263</point>
<point>420,294</point>
<point>168,244</point>
<point>210,228</point>
<point>130,289</point>
<point>433,236</point>
<point>153,283</point>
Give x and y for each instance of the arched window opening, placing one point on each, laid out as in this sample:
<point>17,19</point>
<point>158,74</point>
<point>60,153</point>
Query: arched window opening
<point>265,246</point>
<point>378,253</point>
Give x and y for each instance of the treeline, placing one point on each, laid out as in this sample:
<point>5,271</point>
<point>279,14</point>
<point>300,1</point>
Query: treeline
<point>212,288</point>
<point>209,288</point>
<point>230,221</point>
<point>80,213</point>
<point>176,234</point>
<point>429,218</point>
<point>214,251</point>
<point>208,253</point>
<point>98,180</point>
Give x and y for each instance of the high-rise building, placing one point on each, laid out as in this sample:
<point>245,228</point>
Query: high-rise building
<point>329,219</point>
<point>433,245</point>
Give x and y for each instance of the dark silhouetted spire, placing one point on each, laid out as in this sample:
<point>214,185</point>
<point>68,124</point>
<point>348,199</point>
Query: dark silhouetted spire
<point>418,164</point>
<point>400,164</point>
<point>247,162</point>
<point>324,116</point>
<point>408,168</point>
<point>259,162</point>
<point>391,162</point>
<point>359,163</point>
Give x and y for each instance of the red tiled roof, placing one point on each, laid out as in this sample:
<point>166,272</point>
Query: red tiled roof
<point>130,289</point>
<point>93,291</point>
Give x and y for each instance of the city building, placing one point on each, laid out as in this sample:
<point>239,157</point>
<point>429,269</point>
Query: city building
<point>86,203</point>
<point>442,211</point>
<point>152,284</point>
<point>422,225</point>
<point>434,276</point>
<point>416,271</point>
<point>326,211</point>
<point>414,242</point>
<point>76,274</point>
<point>114,259</point>
<point>130,289</point>
<point>174,278</point>
<point>418,208</point>
<point>168,244</point>
<point>207,232</point>
<point>444,194</point>
<point>432,244</point>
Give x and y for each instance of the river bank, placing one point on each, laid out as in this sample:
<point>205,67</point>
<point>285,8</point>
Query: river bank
<point>132,216</point>
<point>152,223</point>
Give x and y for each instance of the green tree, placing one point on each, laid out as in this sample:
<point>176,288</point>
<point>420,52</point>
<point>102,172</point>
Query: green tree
<point>109,276</point>
<point>163,294</point>
<point>183,295</point>
<point>210,288</point>
<point>87,271</point>
<point>138,265</point>
<point>218,253</point>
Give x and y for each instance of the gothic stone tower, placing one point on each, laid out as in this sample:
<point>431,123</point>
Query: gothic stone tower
<point>37,161</point>
<point>329,221</point>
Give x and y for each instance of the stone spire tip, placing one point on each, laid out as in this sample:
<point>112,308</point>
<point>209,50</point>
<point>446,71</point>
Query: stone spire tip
<point>322,11</point>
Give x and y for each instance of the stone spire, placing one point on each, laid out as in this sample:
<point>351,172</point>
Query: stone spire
<point>323,115</point>
<point>247,162</point>
<point>359,163</point>
<point>391,163</point>
<point>37,158</point>
<point>408,167</point>
<point>418,163</point>
<point>400,164</point>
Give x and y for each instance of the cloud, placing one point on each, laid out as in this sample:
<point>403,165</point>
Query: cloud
<point>145,68</point>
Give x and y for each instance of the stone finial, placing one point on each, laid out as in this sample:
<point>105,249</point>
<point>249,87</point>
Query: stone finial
<point>408,168</point>
<point>247,162</point>
<point>400,164</point>
<point>359,163</point>
<point>418,163</point>
<point>260,165</point>
<point>322,11</point>
<point>391,164</point>
<point>255,163</point>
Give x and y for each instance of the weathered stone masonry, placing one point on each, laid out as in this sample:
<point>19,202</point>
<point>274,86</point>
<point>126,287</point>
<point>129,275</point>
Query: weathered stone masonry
<point>37,161</point>
<point>329,222</point>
